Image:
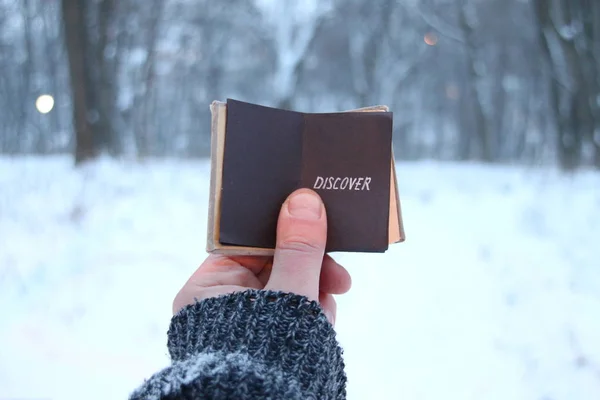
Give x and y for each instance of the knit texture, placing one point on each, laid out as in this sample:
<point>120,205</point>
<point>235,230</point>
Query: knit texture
<point>254,344</point>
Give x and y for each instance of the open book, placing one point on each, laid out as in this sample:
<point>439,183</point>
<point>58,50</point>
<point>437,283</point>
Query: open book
<point>260,155</point>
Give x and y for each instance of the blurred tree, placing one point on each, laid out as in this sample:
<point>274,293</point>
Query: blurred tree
<point>28,66</point>
<point>144,128</point>
<point>475,70</point>
<point>209,50</point>
<point>77,40</point>
<point>293,28</point>
<point>385,51</point>
<point>384,48</point>
<point>491,80</point>
<point>102,50</point>
<point>569,33</point>
<point>89,33</point>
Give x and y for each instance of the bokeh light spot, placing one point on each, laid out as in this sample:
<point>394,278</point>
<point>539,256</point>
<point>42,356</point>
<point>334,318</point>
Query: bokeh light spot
<point>431,39</point>
<point>44,103</point>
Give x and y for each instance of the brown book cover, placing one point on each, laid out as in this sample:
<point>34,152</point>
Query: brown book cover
<point>261,154</point>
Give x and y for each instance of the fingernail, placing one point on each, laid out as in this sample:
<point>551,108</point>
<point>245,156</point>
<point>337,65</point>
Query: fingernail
<point>330,317</point>
<point>305,205</point>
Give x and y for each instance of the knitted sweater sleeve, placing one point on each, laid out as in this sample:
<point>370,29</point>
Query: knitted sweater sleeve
<point>250,345</point>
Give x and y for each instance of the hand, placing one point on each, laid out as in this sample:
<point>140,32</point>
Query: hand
<point>299,265</point>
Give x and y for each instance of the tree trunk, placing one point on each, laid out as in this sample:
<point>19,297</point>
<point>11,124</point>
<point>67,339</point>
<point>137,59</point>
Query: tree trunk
<point>145,124</point>
<point>482,131</point>
<point>27,73</point>
<point>104,84</point>
<point>573,86</point>
<point>50,54</point>
<point>73,12</point>
<point>593,37</point>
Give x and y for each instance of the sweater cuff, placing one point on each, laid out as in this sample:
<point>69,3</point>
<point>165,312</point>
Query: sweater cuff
<point>282,330</point>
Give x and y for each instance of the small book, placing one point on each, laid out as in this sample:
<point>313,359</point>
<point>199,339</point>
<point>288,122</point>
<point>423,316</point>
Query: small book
<point>260,155</point>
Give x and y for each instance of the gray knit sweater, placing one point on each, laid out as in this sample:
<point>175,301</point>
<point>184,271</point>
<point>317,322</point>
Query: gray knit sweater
<point>250,345</point>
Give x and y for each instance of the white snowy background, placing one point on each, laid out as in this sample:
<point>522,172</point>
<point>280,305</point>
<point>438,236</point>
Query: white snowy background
<point>494,295</point>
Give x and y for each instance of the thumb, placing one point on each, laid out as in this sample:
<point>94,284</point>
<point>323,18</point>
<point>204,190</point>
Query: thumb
<point>301,240</point>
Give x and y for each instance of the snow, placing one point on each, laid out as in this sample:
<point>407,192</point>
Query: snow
<point>495,294</point>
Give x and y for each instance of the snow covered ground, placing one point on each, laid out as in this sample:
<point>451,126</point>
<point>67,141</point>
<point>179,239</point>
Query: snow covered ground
<point>495,294</point>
